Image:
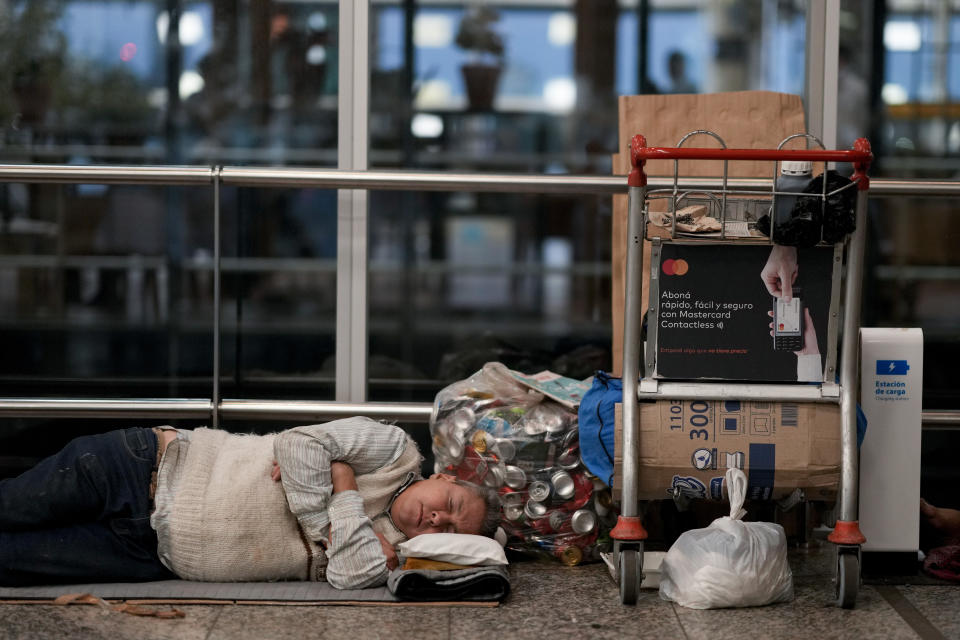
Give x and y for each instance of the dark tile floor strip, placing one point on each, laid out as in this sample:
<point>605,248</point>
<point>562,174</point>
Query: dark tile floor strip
<point>909,613</point>
<point>676,617</point>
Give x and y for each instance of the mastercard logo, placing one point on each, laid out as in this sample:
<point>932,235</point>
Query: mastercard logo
<point>671,267</point>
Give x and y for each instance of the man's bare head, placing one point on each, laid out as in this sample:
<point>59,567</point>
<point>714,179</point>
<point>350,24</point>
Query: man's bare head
<point>444,504</point>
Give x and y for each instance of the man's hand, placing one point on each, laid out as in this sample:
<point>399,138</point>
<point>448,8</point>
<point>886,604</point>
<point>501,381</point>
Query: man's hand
<point>341,474</point>
<point>780,272</point>
<point>275,472</point>
<point>388,550</point>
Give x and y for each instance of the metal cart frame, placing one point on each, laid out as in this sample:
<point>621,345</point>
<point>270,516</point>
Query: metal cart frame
<point>638,376</point>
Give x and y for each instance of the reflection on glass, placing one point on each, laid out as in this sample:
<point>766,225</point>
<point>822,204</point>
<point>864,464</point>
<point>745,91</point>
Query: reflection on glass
<point>105,291</point>
<point>100,82</point>
<point>458,279</point>
<point>278,310</point>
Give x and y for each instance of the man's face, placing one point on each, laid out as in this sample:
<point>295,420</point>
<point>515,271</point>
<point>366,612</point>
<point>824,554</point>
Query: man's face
<point>438,505</point>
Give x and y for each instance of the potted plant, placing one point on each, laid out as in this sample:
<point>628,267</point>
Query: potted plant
<point>484,45</point>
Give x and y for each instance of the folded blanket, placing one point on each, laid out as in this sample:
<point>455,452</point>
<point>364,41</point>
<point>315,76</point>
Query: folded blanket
<point>475,583</point>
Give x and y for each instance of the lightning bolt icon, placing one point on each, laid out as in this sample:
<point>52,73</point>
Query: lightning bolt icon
<point>892,366</point>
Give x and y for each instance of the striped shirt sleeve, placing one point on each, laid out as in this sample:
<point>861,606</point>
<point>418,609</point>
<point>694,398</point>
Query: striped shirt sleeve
<point>304,455</point>
<point>355,558</point>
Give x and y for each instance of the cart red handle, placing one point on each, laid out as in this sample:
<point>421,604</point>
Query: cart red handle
<point>860,156</point>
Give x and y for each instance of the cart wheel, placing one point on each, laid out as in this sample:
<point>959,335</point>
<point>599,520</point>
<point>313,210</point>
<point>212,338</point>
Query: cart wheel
<point>631,573</point>
<point>848,580</point>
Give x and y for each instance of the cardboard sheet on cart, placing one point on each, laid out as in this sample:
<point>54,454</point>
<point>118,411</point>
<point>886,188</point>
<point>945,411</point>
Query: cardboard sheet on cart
<point>744,119</point>
<point>688,445</point>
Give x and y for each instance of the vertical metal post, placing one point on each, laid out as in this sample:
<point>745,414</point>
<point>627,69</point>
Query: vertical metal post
<point>216,298</point>
<point>352,143</point>
<point>822,52</point>
<point>831,65</point>
<point>833,324</point>
<point>652,310</point>
<point>849,367</point>
<point>633,312</point>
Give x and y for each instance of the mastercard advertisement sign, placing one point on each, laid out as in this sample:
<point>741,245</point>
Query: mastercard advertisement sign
<point>715,309</point>
<point>678,267</point>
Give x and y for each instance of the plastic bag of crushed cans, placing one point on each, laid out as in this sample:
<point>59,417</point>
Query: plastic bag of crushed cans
<point>492,430</point>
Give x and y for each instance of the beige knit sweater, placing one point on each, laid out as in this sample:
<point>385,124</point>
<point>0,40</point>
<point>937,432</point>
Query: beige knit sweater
<point>230,522</point>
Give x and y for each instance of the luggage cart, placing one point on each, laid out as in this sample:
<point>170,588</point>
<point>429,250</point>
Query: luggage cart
<point>640,379</point>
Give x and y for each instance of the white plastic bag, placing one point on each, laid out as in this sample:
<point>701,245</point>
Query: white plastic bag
<point>730,563</point>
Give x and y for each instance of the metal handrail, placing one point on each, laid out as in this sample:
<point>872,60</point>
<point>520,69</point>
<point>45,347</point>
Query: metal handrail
<point>291,177</point>
<point>243,409</point>
<point>202,408</point>
<point>167,409</point>
<point>313,410</point>
<point>102,174</point>
<point>941,420</point>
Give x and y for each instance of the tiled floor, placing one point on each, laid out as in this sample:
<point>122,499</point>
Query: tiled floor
<point>548,601</point>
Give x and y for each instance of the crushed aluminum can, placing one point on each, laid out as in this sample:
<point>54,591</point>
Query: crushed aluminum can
<point>563,486</point>
<point>453,451</point>
<point>569,459</point>
<point>582,492</point>
<point>461,421</point>
<point>583,521</point>
<point>538,491</point>
<point>603,502</point>
<point>494,477</point>
<point>570,438</point>
<point>513,512</point>
<point>477,394</point>
<point>481,441</point>
<point>534,510</point>
<point>507,449</point>
<point>473,468</point>
<point>556,425</point>
<point>570,555</point>
<point>514,477</point>
<point>557,520</point>
<point>533,426</point>
<point>439,449</point>
<point>510,497</point>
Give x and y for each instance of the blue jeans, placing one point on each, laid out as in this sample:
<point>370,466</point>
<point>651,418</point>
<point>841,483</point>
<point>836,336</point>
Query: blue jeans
<point>83,514</point>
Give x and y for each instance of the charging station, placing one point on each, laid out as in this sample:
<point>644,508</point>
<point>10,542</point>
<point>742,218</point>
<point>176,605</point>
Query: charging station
<point>891,395</point>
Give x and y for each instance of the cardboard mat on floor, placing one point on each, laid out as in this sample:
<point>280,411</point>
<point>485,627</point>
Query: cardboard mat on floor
<point>251,593</point>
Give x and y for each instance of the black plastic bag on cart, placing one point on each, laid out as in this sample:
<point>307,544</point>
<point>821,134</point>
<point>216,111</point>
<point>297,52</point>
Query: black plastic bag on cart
<point>812,219</point>
<point>840,216</point>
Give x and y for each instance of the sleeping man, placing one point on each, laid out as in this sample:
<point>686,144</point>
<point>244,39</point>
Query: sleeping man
<point>319,502</point>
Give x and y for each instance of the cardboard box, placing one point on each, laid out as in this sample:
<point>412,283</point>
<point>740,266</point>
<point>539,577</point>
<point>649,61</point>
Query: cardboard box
<point>744,119</point>
<point>690,444</point>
